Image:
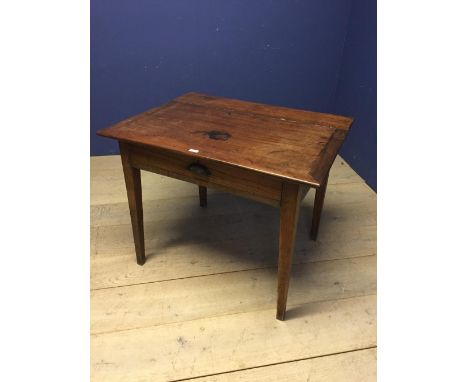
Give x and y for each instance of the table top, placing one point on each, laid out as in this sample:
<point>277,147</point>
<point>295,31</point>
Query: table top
<point>292,144</point>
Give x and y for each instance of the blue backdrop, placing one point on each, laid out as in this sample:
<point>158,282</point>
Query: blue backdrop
<point>314,54</point>
<point>357,90</point>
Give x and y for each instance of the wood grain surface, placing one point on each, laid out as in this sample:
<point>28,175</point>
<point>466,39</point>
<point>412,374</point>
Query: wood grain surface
<point>355,366</point>
<point>291,144</point>
<point>203,306</point>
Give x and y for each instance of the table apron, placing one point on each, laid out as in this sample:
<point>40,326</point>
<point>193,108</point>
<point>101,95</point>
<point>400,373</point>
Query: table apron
<point>243,182</point>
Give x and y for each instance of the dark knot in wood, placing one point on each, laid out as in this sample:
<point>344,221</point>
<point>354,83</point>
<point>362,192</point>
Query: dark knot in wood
<point>215,134</point>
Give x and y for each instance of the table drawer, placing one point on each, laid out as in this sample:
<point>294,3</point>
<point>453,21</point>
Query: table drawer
<point>244,182</point>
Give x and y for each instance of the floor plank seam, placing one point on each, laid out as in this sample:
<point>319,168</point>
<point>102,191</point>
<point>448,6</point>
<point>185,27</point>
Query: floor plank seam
<point>273,364</point>
<point>138,333</point>
<point>330,183</point>
<point>337,203</point>
<point>364,226</point>
<point>194,196</point>
<point>228,272</point>
<point>93,225</point>
<point>232,314</point>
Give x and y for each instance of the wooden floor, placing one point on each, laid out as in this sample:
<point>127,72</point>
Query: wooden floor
<point>203,306</point>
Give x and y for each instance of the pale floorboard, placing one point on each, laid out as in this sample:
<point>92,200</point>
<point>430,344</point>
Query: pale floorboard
<point>356,366</point>
<point>231,342</point>
<point>203,303</point>
<point>193,298</point>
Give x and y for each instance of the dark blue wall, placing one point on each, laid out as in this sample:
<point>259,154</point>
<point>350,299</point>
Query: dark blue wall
<point>357,90</point>
<point>144,53</point>
<point>285,52</point>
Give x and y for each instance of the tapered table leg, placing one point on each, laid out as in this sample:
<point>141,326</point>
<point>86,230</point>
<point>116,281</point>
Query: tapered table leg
<point>318,205</point>
<point>202,195</point>
<point>133,183</point>
<point>289,212</point>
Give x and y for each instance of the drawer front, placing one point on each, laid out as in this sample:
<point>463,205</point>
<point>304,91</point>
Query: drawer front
<point>247,183</point>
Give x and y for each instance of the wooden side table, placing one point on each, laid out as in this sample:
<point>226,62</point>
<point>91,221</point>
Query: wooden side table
<point>267,153</point>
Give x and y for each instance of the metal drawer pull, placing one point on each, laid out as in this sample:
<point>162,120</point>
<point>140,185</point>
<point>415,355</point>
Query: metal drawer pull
<point>198,169</point>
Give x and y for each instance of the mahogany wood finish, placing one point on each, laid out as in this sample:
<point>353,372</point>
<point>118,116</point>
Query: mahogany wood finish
<point>318,205</point>
<point>290,144</point>
<point>202,194</point>
<point>133,184</point>
<point>267,153</point>
<point>289,212</point>
<point>205,172</point>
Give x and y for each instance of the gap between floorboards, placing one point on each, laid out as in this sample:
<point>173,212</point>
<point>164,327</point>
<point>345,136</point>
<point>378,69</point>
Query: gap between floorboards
<point>272,364</point>
<point>232,314</point>
<point>227,272</point>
